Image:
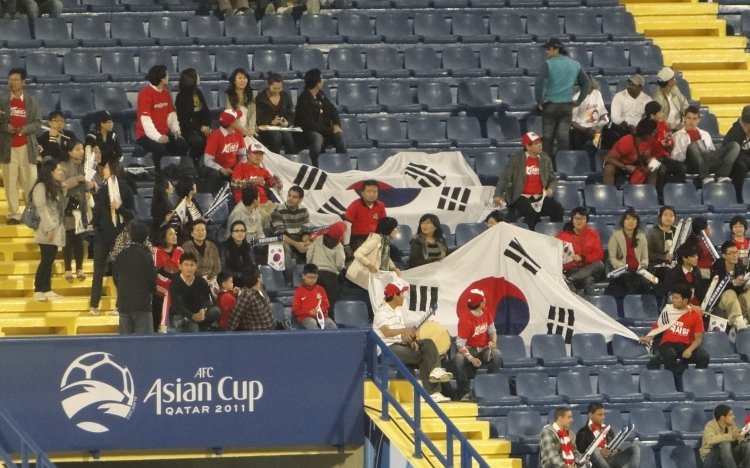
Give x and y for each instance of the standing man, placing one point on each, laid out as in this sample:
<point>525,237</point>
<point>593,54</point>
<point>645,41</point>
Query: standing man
<point>554,94</point>
<point>157,129</point>
<point>476,341</point>
<point>557,447</point>
<point>629,457</point>
<point>723,445</point>
<point>670,98</point>
<point>134,275</point>
<point>528,183</point>
<point>318,117</point>
<point>20,120</point>
<point>389,325</point>
<point>739,133</point>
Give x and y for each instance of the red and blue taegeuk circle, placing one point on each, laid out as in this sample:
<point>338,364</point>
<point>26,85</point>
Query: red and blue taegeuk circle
<point>505,302</point>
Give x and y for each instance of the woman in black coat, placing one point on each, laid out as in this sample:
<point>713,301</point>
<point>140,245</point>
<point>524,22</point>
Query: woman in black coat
<point>193,114</point>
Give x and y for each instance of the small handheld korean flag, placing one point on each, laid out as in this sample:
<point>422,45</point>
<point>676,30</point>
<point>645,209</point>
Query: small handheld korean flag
<point>568,252</point>
<point>717,323</point>
<point>276,256</point>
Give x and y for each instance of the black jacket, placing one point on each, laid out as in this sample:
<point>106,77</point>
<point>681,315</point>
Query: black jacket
<point>315,114</point>
<point>585,436</point>
<point>191,121</point>
<point>54,149</point>
<point>188,300</point>
<point>676,275</point>
<point>110,144</point>
<point>265,111</point>
<point>235,258</point>
<point>719,269</point>
<point>134,275</point>
<point>737,134</point>
<point>106,232</point>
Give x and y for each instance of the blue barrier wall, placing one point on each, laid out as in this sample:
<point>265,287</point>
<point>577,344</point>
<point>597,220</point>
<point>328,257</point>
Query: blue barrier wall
<point>186,391</point>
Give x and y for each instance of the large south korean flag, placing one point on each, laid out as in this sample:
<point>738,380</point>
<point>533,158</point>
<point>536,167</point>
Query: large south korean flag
<point>520,273</point>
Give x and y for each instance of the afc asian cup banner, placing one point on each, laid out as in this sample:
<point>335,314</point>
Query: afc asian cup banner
<point>190,391</point>
<point>405,169</point>
<point>452,205</point>
<point>520,273</point>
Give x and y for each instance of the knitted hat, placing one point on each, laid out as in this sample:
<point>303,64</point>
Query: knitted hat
<point>336,231</point>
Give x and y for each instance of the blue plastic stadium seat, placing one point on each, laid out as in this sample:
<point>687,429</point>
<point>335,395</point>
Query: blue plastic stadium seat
<point>508,27</point>
<point>15,34</point>
<point>606,304</point>
<point>575,387</point>
<point>45,68</point>
<point>353,131</point>
<point>120,66</point>
<point>475,96</point>
<point>604,199</point>
<point>104,6</point>
<point>437,97</point>
<point>550,228</point>
<point>531,58</point>
<point>618,387</point>
<point>81,65</point>
<point>718,346</point>
<point>537,388</point>
<point>302,60</point>
<point>568,196</point>
<point>742,343</point>
<point>643,196</point>
<point>550,350</point>
<point>155,56</point>
<point>605,89</point>
<point>648,459</point>
<point>684,198</point>
<point>701,385</point>
<point>355,97</point>
<point>465,232</point>
<point>647,58</point>
<point>620,25</point>
<point>721,198</point>
<point>494,390</point>
<point>629,351</point>
<point>228,59</point>
<point>720,231</point>
<point>8,60</point>
<point>387,133</point>
<point>281,29</point>
<point>544,24</point>
<point>688,421</point>
<point>396,96</point>
<point>514,350</point>
<point>433,27</point>
<point>658,385</point>
<point>54,33</point>
<point>489,165</point>
<point>141,5</point>
<point>466,132</point>
<point>582,25</point>
<point>678,456</point>
<point>498,60</point>
<point>270,60</point>
<point>129,31</point>
<point>737,382</point>
<point>370,160</point>
<point>244,29</point>
<point>462,61</point>
<point>591,349</point>
<point>639,310</point>
<point>580,53</point>
<point>402,239</point>
<point>395,28</point>
<point>423,62</point>
<point>351,314</point>
<point>348,62</point>
<point>76,101</point>
<point>207,30</point>
<point>710,124</point>
<point>91,31</point>
<point>168,31</point>
<point>112,98</point>
<point>427,131</point>
<point>386,62</point>
<point>504,130</point>
<point>611,60</point>
<point>334,162</point>
<point>200,60</point>
<point>573,164</point>
<point>524,426</point>
<point>356,28</point>
<point>46,99</point>
<point>471,28</point>
<point>319,29</point>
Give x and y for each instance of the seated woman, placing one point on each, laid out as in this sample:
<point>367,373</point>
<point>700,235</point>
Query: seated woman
<point>162,208</point>
<point>428,244</point>
<point>186,211</point>
<point>705,257</point>
<point>660,239</point>
<point>167,256</point>
<point>204,251</point>
<point>274,106</point>
<point>193,113</point>
<point>236,252</point>
<point>374,254</point>
<point>628,249</point>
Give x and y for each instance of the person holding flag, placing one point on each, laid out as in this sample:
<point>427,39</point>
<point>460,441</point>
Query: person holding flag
<point>603,457</point>
<point>735,300</point>
<point>557,447</point>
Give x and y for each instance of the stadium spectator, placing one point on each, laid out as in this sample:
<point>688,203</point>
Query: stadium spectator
<point>236,252</point>
<point>48,196</point>
<point>476,343</point>
<point>105,140</point>
<point>192,113</point>
<point>191,309</point>
<point>364,214</point>
<point>205,252</point>
<point>631,156</point>
<point>240,100</point>
<point>252,312</point>
<point>224,7</point>
<point>327,252</point>
<point>162,208</point>
<point>21,118</point>
<point>670,98</point>
<point>604,457</point>
<point>686,272</point>
<point>738,227</point>
<point>494,218</point>
<point>696,148</point>
<point>428,244</point>
<point>8,9</point>
<point>723,445</point>
<point>374,254</point>
<point>628,104</point>
<point>275,108</point>
<point>292,221</point>
<point>167,256</point>
<point>628,249</point>
<point>223,151</point>
<point>247,211</point>
<point>695,239</point>
<point>589,118</point>
<point>76,214</point>
<point>557,445</point>
<point>554,94</point>
<point>226,299</point>
<point>318,117</point>
<point>36,8</point>
<point>134,275</point>
<point>54,142</point>
<point>186,211</point>
<point>734,303</point>
<point>528,183</point>
<point>660,239</point>
<point>252,173</point>
<point>681,329</point>
<point>157,129</point>
<point>586,267</point>
<point>390,326</point>
<point>739,133</point>
<point>310,305</point>
<point>661,150</point>
<point>114,206</point>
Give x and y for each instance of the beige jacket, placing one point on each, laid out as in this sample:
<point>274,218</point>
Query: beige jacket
<point>50,217</point>
<point>676,97</point>
<point>712,435</point>
<point>367,254</point>
<point>617,249</point>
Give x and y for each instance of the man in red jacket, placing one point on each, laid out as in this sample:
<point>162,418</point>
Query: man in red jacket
<point>587,266</point>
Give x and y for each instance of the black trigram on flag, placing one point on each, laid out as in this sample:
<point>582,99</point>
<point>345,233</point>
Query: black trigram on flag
<point>516,252</point>
<point>309,177</point>
<point>424,175</point>
<point>560,321</point>
<point>421,298</point>
<point>332,206</point>
<point>454,198</point>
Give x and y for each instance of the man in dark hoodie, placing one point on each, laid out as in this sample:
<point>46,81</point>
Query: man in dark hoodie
<point>134,275</point>
<point>740,133</point>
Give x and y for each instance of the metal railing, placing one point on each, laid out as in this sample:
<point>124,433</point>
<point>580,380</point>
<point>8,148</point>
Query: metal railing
<point>377,370</point>
<point>29,450</point>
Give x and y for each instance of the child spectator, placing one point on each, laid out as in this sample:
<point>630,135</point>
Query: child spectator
<point>226,299</point>
<point>738,225</point>
<point>363,214</point>
<point>661,148</point>
<point>310,306</point>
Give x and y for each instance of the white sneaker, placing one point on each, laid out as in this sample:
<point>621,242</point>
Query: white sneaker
<point>438,397</point>
<point>440,375</point>
<point>723,179</point>
<point>40,296</point>
<point>707,180</point>
<point>740,323</point>
<point>52,295</point>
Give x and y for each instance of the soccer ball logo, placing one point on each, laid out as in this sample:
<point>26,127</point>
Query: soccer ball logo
<point>95,389</point>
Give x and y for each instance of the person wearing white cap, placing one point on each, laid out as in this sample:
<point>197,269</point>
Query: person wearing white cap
<point>626,110</point>
<point>672,101</point>
<point>402,341</point>
<point>528,183</point>
<point>476,342</point>
<point>224,148</point>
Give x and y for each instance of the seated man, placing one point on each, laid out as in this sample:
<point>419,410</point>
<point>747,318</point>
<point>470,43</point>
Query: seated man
<point>253,173</point>
<point>587,266</point>
<point>557,448</point>
<point>190,294</point>
<point>476,341</point>
<point>681,327</point>
<point>292,220</point>
<point>528,183</point>
<point>630,157</point>
<point>318,117</point>
<point>604,457</point>
<point>310,305</point>
<point>389,325</point>
<point>735,300</point>
<point>723,445</point>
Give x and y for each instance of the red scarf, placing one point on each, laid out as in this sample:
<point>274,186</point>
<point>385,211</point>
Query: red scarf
<point>596,429</point>
<point>566,445</point>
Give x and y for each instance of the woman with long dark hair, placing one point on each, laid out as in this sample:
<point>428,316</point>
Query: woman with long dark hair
<point>185,189</point>
<point>162,208</point>
<point>48,196</point>
<point>193,113</point>
<point>374,254</point>
<point>275,108</point>
<point>75,216</point>
<point>660,239</point>
<point>628,248</point>
<point>240,97</point>
<point>428,244</point>
<point>236,253</point>
<point>167,260</point>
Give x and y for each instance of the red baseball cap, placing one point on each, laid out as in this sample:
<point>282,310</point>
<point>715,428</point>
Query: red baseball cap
<point>530,138</point>
<point>228,117</point>
<point>392,289</point>
<point>476,296</point>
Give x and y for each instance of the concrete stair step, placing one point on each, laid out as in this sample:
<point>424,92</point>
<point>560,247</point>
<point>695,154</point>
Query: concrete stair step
<point>731,111</point>
<point>16,231</point>
<point>708,26</point>
<point>24,287</point>
<point>696,43</point>
<point>630,3</point>
<point>29,268</point>
<point>661,9</point>
<point>78,304</point>
<point>720,93</point>
<point>711,76</point>
<point>700,60</point>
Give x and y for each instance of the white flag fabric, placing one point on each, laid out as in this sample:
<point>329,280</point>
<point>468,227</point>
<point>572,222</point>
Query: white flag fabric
<point>406,169</point>
<point>520,272</point>
<point>276,258</point>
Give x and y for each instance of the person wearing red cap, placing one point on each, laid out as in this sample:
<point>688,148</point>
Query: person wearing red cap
<point>327,252</point>
<point>476,341</point>
<point>389,325</point>
<point>253,173</point>
<point>224,147</point>
<point>528,183</point>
